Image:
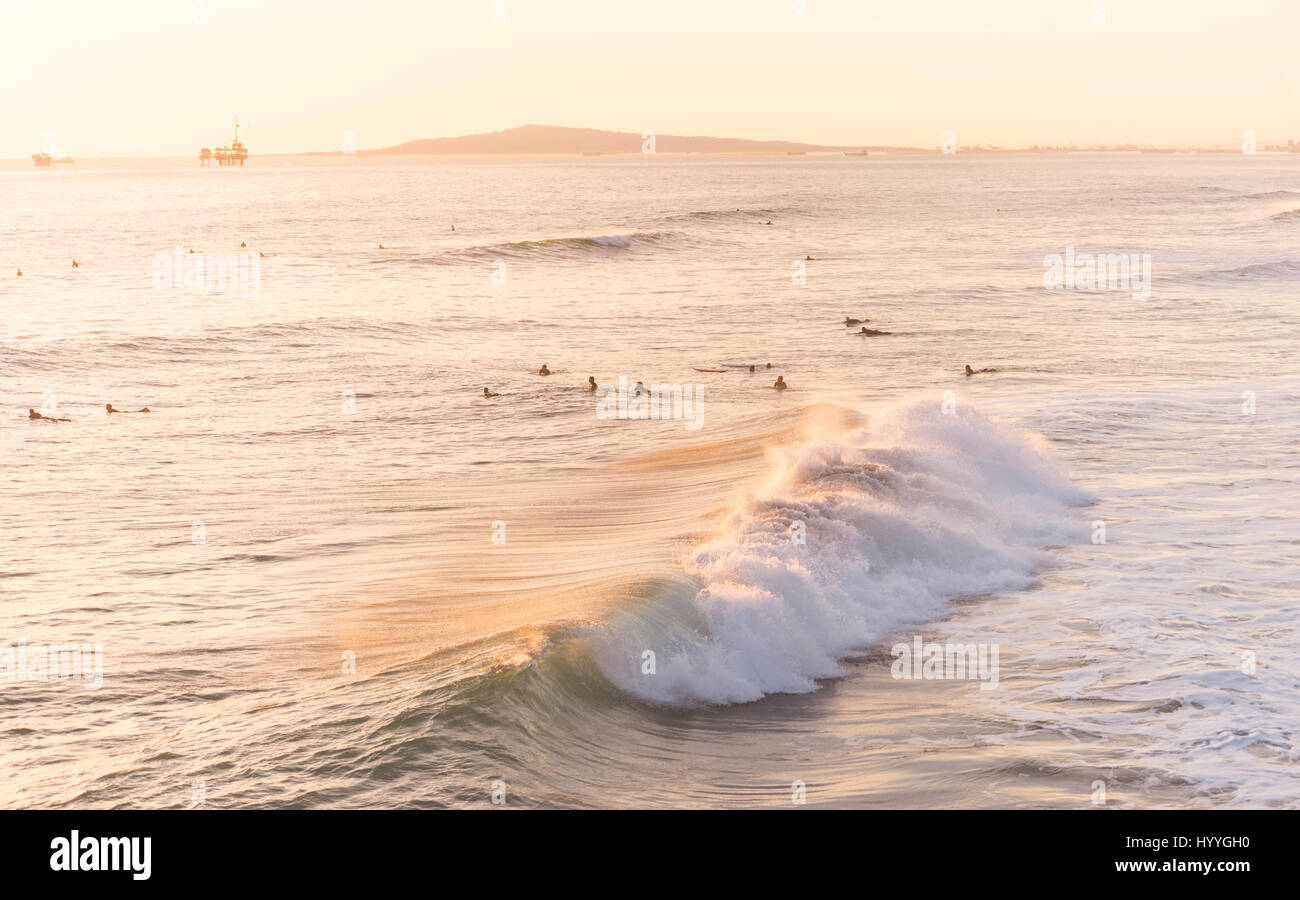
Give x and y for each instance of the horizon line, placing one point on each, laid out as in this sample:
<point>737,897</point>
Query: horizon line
<point>1227,147</point>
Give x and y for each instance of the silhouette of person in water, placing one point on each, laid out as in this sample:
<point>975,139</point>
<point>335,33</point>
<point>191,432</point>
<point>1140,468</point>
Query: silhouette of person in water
<point>108,408</point>
<point>487,394</point>
<point>20,273</point>
<point>849,323</point>
<point>381,246</point>
<point>74,264</point>
<point>970,371</point>
<point>591,382</point>
<point>543,370</point>
<point>640,389</point>
<point>780,383</point>
<point>752,369</point>
<point>768,366</point>
<point>34,415</point>
<point>242,244</point>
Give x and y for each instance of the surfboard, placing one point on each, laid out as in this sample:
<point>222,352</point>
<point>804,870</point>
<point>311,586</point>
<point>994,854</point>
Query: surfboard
<point>708,370</point>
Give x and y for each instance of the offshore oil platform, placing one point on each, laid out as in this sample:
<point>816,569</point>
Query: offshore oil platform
<point>234,155</point>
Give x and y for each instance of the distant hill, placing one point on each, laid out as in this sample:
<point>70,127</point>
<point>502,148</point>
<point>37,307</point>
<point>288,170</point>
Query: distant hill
<point>556,139</point>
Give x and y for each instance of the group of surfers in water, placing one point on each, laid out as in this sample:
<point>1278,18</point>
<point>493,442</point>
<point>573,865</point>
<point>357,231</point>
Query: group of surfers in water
<point>109,409</point>
<point>849,322</point>
<point>778,385</point>
<point>640,389</point>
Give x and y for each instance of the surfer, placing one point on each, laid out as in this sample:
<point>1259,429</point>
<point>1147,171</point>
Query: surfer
<point>109,410</point>
<point>780,383</point>
<point>639,390</point>
<point>543,370</point>
<point>849,323</point>
<point>970,371</point>
<point>74,264</point>
<point>591,382</point>
<point>34,415</point>
<point>488,394</point>
<point>752,369</point>
<point>20,273</point>
<point>242,244</point>
<point>381,246</point>
<point>869,332</point>
<point>809,258</point>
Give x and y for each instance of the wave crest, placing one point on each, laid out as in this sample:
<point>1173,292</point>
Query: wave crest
<point>898,518</point>
<point>568,246</point>
<point>1281,269</point>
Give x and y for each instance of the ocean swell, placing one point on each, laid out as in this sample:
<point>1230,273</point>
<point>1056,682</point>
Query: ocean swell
<point>1284,269</point>
<point>567,246</point>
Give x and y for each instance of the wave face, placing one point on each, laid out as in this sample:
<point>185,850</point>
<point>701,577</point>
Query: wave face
<point>568,246</point>
<point>1271,195</point>
<point>1281,270</point>
<point>900,517</point>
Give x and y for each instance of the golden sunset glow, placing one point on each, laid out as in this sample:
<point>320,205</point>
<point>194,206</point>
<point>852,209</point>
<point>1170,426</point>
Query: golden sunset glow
<point>162,77</point>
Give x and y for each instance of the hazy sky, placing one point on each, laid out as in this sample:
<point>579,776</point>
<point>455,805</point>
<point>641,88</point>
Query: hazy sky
<point>164,77</point>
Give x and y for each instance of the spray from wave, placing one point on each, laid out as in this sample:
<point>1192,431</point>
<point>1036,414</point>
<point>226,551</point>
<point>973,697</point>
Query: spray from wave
<point>853,537</point>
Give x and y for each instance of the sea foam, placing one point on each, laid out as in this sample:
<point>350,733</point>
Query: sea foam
<point>851,538</point>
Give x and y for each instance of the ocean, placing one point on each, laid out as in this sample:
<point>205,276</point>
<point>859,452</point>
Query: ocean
<point>325,571</point>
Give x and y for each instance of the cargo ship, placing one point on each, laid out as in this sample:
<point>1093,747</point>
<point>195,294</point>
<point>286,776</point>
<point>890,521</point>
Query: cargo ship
<point>234,155</point>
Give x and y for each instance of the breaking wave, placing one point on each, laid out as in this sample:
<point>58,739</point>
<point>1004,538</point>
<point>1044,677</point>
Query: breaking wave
<point>896,519</point>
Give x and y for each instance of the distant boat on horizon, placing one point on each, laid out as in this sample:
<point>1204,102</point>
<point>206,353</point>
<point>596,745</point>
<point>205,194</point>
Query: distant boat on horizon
<point>856,153</point>
<point>42,159</point>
